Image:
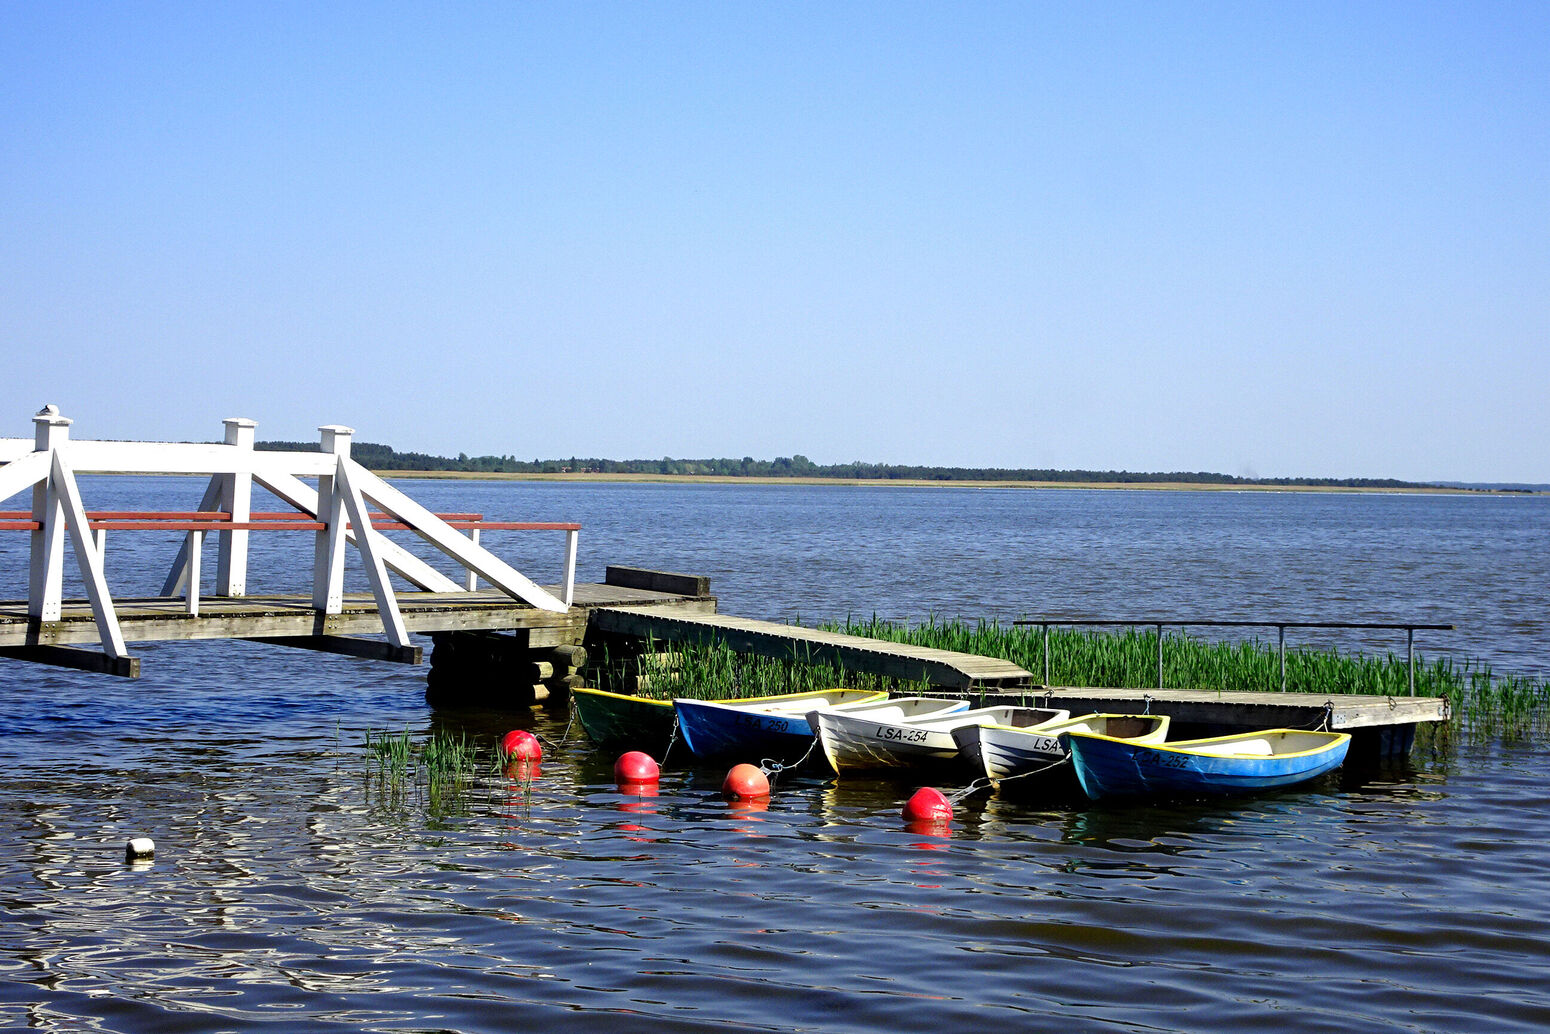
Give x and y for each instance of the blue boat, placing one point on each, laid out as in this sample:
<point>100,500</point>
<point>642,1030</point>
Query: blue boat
<point>773,728</point>
<point>1241,763</point>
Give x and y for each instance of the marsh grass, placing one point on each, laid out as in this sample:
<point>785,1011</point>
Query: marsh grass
<point>1479,699</point>
<point>714,671</point>
<point>442,772</point>
<point>1481,702</point>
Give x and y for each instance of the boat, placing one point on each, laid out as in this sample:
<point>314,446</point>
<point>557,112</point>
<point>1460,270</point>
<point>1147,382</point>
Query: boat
<point>1240,763</point>
<point>881,738</point>
<point>1002,752</point>
<point>625,722</point>
<point>773,727</point>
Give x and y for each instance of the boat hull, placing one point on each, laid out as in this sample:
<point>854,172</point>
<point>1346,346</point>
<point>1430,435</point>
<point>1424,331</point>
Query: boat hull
<point>1109,768</point>
<point>774,728</point>
<point>1002,753</point>
<point>868,741</point>
<point>625,722</point>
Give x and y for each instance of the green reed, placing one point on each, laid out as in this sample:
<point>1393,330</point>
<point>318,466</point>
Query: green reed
<point>714,671</point>
<point>1479,698</point>
<point>441,769</point>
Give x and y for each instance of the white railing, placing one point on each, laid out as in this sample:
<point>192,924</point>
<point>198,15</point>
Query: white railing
<point>339,506</point>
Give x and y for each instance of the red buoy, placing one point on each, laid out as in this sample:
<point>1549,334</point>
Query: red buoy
<point>928,805</point>
<point>521,745</point>
<point>636,767</point>
<point>745,782</point>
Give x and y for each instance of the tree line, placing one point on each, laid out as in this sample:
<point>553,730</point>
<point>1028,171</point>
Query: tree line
<point>374,456</point>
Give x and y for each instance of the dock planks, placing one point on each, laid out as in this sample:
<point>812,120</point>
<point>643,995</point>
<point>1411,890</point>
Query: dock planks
<point>1252,710</point>
<point>163,619</point>
<point>854,653</point>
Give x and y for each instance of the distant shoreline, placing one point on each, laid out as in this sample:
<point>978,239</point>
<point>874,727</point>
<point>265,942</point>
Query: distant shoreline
<point>719,479</point>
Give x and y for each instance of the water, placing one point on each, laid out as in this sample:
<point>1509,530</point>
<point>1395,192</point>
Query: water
<point>292,891</point>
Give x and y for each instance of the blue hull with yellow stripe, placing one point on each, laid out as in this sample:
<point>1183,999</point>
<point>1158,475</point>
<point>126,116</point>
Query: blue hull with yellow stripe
<point>1242,763</point>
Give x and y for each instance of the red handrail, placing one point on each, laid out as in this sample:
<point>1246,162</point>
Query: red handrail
<point>220,520</point>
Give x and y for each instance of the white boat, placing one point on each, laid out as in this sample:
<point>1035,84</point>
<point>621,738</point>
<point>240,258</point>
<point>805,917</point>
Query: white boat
<point>1006,751</point>
<point>876,738</point>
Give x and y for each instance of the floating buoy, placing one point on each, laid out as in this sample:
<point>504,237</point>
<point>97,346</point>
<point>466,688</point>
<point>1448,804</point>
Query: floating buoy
<point>745,782</point>
<point>636,767</point>
<point>928,805</point>
<point>521,745</point>
<point>139,849</point>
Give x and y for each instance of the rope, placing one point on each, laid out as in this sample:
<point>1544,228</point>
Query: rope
<point>546,741</point>
<point>975,786</point>
<point>672,739</point>
<point>772,769</point>
<point>1147,699</point>
<point>1039,771</point>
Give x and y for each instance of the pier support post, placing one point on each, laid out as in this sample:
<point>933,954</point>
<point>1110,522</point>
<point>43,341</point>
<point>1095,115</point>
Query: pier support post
<point>231,570</point>
<point>328,551</point>
<point>497,671</point>
<point>45,585</point>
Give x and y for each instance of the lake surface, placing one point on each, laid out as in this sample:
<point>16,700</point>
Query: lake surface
<point>293,891</point>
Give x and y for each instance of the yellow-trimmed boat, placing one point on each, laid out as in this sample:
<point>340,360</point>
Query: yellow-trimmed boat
<point>1240,763</point>
<point>625,722</point>
<point>773,727</point>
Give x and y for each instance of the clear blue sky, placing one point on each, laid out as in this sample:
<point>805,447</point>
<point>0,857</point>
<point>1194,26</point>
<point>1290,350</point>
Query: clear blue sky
<point>1272,239</point>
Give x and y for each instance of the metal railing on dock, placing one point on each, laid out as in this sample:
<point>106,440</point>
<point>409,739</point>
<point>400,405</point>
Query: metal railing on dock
<point>1408,627</point>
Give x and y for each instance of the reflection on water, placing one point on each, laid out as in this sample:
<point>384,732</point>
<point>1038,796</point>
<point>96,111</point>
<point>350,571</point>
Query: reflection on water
<point>285,895</point>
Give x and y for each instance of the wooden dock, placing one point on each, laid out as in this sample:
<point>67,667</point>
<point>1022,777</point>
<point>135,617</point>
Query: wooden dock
<point>511,642</point>
<point>1236,709</point>
<point>293,620</point>
<point>1382,728</point>
<point>941,668</point>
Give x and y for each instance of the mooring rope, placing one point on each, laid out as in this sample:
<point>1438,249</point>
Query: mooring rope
<point>772,769</point>
<point>671,740</point>
<point>566,734</point>
<point>975,786</point>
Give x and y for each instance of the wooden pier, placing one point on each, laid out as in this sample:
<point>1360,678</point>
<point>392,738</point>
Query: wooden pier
<point>512,641</point>
<point>291,620</point>
<point>1240,709</point>
<point>943,669</point>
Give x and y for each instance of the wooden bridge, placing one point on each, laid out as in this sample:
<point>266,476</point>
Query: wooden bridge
<point>350,506</point>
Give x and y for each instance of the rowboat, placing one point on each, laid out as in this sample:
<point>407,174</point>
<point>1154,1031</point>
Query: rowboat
<point>1241,763</point>
<point>626,722</point>
<point>885,738</point>
<point>772,727</point>
<point>1008,751</point>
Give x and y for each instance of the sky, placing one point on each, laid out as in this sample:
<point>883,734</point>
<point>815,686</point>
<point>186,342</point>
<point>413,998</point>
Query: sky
<point>1261,239</point>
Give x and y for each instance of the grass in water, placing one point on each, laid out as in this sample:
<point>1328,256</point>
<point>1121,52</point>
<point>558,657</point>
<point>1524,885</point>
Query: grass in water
<point>1480,701</point>
<point>441,771</point>
<point>714,671</point>
<point>1478,698</point>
